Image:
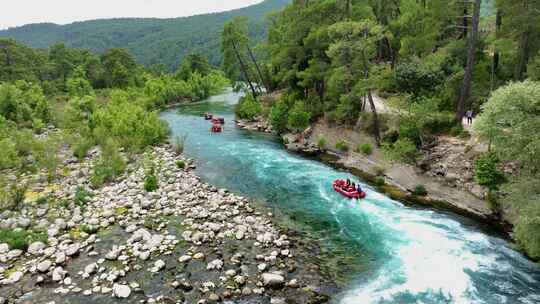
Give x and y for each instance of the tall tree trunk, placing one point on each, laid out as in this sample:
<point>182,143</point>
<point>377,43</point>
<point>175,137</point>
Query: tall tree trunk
<point>465,94</point>
<point>523,55</point>
<point>376,128</point>
<point>9,69</point>
<point>524,45</point>
<point>496,55</point>
<point>263,79</point>
<point>244,70</point>
<point>465,22</point>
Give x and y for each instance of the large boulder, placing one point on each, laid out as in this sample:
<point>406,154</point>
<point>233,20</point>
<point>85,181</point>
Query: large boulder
<point>273,280</point>
<point>121,291</point>
<point>36,247</point>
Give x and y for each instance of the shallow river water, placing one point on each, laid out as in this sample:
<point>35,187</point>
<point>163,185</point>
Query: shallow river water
<point>389,253</point>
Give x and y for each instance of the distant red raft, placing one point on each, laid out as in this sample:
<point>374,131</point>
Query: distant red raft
<point>218,120</point>
<point>216,128</point>
<point>339,186</point>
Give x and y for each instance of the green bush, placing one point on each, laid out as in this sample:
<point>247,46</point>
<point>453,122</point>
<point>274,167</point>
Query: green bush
<point>181,164</point>
<point>82,196</point>
<point>129,124</point>
<point>109,166</point>
<point>321,143</point>
<point>23,102</point>
<point>81,148</point>
<point>298,119</point>
<point>379,181</point>
<point>89,229</point>
<point>342,146</point>
<point>248,108</point>
<point>44,200</point>
<point>486,172</point>
<point>279,117</point>
<point>365,149</point>
<point>46,153</point>
<point>150,183</point>
<point>179,144</point>
<point>415,78</point>
<point>9,157</point>
<point>13,196</point>
<point>420,190</point>
<point>20,239</point>
<point>403,150</point>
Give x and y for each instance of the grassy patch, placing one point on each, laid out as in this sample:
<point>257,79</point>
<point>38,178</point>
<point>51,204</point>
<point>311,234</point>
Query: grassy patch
<point>420,190</point>
<point>342,146</point>
<point>322,142</point>
<point>89,229</point>
<point>150,183</point>
<point>181,164</point>
<point>120,211</point>
<point>365,149</point>
<point>20,239</point>
<point>82,196</point>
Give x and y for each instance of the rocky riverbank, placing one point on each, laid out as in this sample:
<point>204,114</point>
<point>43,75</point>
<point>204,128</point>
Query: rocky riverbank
<point>257,124</point>
<point>186,242</point>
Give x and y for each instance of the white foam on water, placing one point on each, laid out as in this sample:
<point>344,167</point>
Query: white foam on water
<point>429,261</point>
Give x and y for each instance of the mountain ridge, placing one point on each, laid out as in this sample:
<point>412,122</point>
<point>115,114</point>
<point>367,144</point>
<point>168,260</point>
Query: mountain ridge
<point>151,40</point>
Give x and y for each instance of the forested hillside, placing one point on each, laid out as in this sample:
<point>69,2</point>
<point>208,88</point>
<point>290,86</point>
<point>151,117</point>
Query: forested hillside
<point>433,61</point>
<point>151,41</point>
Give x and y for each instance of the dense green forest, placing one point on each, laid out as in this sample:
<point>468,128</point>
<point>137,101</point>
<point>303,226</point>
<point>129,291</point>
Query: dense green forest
<point>433,61</point>
<point>62,98</point>
<point>151,41</point>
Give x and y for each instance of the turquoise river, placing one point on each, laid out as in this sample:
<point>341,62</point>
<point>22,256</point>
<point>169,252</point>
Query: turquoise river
<point>394,253</point>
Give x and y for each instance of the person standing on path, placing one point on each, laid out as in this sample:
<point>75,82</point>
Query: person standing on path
<point>469,115</point>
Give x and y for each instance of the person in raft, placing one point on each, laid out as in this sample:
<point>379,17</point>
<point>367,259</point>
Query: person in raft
<point>348,183</point>
<point>359,188</point>
<point>352,188</point>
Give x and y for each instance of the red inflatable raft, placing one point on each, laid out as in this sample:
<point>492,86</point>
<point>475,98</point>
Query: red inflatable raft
<point>216,128</point>
<point>339,186</point>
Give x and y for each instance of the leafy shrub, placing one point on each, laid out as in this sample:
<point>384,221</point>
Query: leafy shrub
<point>150,183</point>
<point>46,153</point>
<point>298,118</point>
<point>379,181</point>
<point>248,108</point>
<point>402,150</point>
<point>150,179</point>
<point>321,143</point>
<point>110,165</point>
<point>13,196</point>
<point>43,200</point>
<point>420,190</point>
<point>181,164</point>
<point>279,117</point>
<point>23,102</point>
<point>9,157</point>
<point>82,196</point>
<point>486,172</point>
<point>365,149</point>
<point>81,148</point>
<point>20,239</point>
<point>129,124</point>
<point>341,145</point>
<point>89,229</point>
<point>179,144</point>
<point>77,85</point>
<point>415,78</point>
